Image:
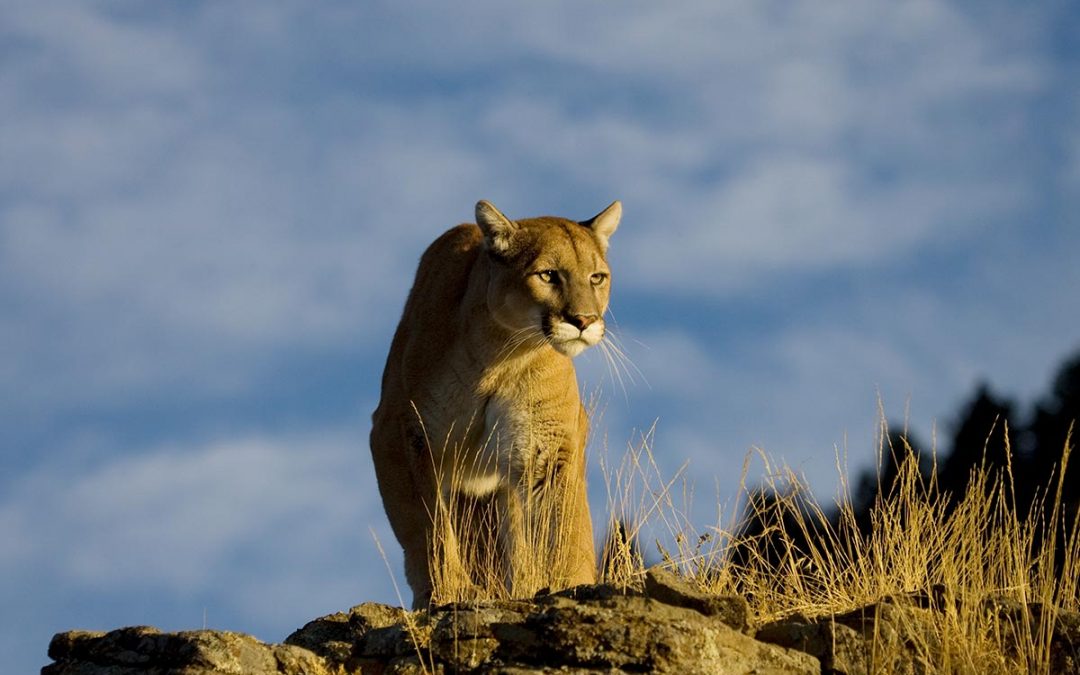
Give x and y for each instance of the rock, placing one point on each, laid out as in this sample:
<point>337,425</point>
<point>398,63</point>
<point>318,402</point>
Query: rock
<point>334,636</point>
<point>596,631</point>
<point>642,635</point>
<point>1025,623</point>
<point>590,629</point>
<point>893,636</point>
<point>841,649</point>
<point>145,650</point>
<point>906,632</point>
<point>586,631</point>
<point>590,592</point>
<point>670,589</point>
<point>1065,644</point>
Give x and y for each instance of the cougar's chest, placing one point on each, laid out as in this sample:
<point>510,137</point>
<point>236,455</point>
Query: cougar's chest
<point>491,424</point>
<point>519,431</point>
<point>493,440</point>
<point>517,426</point>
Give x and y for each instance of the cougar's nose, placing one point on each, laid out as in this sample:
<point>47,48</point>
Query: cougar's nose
<point>582,321</point>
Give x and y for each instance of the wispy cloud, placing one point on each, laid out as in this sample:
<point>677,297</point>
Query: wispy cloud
<point>171,517</point>
<point>253,532</point>
<point>186,206</point>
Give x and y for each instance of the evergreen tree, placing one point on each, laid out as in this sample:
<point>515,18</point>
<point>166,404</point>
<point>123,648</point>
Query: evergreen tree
<point>978,441</point>
<point>873,483</point>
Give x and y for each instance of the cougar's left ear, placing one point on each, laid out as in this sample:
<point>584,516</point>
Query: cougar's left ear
<point>604,224</point>
<point>497,228</point>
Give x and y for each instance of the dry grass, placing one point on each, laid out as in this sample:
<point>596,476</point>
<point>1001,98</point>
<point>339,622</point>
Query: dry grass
<point>502,545</point>
<point>973,554</point>
<point>808,559</point>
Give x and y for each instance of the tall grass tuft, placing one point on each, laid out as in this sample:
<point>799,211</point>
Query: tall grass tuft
<point>972,553</point>
<point>787,554</point>
<point>508,544</point>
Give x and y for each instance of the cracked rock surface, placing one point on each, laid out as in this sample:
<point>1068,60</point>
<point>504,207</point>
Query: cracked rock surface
<point>670,628</point>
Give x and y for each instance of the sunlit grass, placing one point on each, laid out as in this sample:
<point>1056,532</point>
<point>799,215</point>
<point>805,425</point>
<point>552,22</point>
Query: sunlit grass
<point>472,558</point>
<point>972,553</point>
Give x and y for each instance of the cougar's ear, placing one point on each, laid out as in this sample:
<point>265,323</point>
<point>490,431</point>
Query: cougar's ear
<point>497,228</point>
<point>604,224</point>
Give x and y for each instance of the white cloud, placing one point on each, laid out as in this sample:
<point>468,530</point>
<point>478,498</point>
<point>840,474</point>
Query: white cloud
<point>257,533</point>
<point>174,204</point>
<point>151,241</point>
<point>117,56</point>
<point>174,518</point>
<point>822,137</point>
<point>802,388</point>
<point>1070,176</point>
<point>144,244</point>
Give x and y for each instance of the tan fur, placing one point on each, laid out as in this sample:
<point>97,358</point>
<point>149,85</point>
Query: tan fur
<point>480,403</point>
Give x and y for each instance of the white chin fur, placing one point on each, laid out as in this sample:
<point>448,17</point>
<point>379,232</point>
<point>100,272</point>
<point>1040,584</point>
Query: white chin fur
<point>567,339</point>
<point>570,348</point>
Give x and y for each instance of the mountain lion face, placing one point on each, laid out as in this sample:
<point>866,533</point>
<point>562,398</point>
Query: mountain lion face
<point>549,280</point>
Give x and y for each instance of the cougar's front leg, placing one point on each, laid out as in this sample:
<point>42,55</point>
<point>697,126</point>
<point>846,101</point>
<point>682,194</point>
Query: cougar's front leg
<point>512,539</point>
<point>578,559</point>
<point>580,556</point>
<point>405,496</point>
<point>547,529</point>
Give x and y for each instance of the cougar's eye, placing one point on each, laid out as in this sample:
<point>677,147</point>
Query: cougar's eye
<point>598,278</point>
<point>548,276</point>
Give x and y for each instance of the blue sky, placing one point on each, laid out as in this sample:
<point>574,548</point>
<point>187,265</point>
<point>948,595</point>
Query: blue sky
<point>210,214</point>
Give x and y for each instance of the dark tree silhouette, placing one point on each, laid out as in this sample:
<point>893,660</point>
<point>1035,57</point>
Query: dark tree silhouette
<point>1054,416</point>
<point>898,446</point>
<point>978,441</point>
<point>1055,423</point>
<point>769,533</point>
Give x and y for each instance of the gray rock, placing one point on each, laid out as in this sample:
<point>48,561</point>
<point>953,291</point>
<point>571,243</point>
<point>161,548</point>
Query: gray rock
<point>896,635</point>
<point>842,650</point>
<point>1026,622</point>
<point>145,650</point>
<point>670,589</point>
<point>605,633</point>
<point>334,637</point>
<point>598,629</point>
<point>643,635</point>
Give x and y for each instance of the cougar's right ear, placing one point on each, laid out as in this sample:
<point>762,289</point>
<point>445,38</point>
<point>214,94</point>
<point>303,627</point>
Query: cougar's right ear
<point>498,229</point>
<point>604,224</point>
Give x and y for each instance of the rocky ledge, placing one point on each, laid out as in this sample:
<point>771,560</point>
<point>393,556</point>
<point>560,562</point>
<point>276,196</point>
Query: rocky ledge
<point>670,628</point>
